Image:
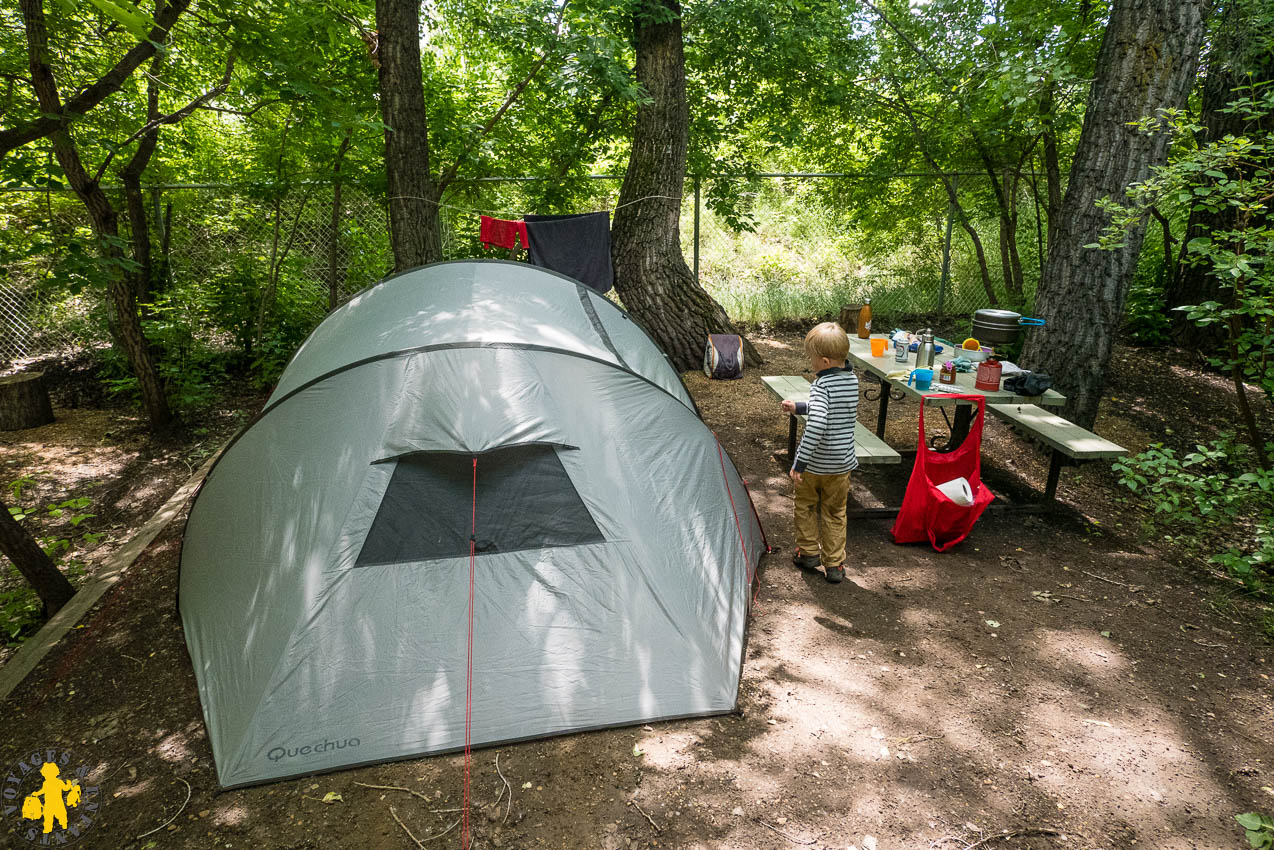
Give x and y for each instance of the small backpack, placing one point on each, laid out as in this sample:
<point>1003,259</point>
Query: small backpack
<point>723,358</point>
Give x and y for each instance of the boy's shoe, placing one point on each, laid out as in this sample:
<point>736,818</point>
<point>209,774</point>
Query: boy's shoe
<point>806,562</point>
<point>836,574</point>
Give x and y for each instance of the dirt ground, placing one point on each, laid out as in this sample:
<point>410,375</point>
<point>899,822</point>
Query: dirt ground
<point>1054,676</point>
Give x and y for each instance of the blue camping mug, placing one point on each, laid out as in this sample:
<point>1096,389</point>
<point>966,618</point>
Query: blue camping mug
<point>922,377</point>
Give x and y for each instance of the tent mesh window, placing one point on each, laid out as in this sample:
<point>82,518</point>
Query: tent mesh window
<point>525,500</point>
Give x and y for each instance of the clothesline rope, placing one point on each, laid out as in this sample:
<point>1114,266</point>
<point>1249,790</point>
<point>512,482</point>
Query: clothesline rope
<point>508,214</point>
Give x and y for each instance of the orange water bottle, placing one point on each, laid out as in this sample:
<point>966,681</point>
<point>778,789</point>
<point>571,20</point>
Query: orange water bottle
<point>864,320</point>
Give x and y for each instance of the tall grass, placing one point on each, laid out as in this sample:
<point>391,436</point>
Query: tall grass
<point>804,260</point>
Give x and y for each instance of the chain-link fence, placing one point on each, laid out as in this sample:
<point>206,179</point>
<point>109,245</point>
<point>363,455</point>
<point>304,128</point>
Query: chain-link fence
<point>238,257</point>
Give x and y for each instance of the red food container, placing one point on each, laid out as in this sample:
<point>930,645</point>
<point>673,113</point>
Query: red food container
<point>988,377</point>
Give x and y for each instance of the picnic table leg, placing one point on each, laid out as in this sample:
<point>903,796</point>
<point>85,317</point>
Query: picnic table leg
<point>959,427</point>
<point>883,411</point>
<point>791,440</point>
<point>1054,472</point>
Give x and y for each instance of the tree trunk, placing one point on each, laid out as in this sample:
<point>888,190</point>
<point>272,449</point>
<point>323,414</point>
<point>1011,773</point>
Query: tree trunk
<point>1052,170</point>
<point>1147,62</point>
<point>1237,56</point>
<point>122,293</point>
<point>334,230</point>
<point>414,231</point>
<point>36,567</point>
<point>24,402</point>
<point>651,274</point>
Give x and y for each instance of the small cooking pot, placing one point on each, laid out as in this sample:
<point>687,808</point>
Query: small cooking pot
<point>1000,327</point>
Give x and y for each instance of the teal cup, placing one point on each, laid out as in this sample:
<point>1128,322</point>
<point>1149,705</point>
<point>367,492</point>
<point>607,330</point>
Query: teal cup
<point>922,377</point>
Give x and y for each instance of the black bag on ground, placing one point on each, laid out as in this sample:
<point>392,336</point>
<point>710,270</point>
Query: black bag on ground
<point>723,358</point>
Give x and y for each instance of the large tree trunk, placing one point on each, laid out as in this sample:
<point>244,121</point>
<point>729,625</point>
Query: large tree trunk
<point>414,231</point>
<point>36,567</point>
<point>651,274</point>
<point>1238,55</point>
<point>1147,62</point>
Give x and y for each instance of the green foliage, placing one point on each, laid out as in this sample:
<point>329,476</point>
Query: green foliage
<point>1210,489</point>
<point>1258,828</point>
<point>21,611</point>
<point>1144,319</point>
<point>1234,174</point>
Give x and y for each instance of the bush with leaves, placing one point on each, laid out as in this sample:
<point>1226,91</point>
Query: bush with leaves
<point>1212,487</point>
<point>1234,174</point>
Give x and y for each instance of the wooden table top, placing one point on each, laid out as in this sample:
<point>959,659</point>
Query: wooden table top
<point>860,357</point>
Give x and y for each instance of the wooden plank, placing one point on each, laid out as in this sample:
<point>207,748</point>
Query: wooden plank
<point>1063,435</point>
<point>867,446</point>
<point>787,387</point>
<point>871,449</point>
<point>39,644</point>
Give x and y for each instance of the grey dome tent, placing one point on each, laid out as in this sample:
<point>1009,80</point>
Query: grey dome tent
<point>325,570</point>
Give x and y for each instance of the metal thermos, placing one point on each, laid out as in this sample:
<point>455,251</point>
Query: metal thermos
<point>926,350</point>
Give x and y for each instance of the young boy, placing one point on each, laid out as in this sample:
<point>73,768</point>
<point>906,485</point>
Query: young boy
<point>825,456</point>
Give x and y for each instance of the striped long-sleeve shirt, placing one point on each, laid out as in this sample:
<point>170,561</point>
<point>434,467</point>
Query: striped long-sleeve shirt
<point>827,448</point>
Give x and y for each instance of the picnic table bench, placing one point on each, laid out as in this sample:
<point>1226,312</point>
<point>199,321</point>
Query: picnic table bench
<point>1070,443</point>
<point>867,446</point>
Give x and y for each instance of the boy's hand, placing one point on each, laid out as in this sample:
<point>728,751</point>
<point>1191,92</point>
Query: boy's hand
<point>795,476</point>
<point>788,406</point>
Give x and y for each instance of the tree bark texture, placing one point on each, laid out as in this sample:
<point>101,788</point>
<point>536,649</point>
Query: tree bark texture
<point>1147,62</point>
<point>122,290</point>
<point>651,274</point>
<point>36,567</point>
<point>24,402</point>
<point>1238,56</point>
<point>414,232</point>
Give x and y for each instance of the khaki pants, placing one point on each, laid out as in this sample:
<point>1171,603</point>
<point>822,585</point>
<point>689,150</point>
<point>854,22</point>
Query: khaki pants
<point>820,516</point>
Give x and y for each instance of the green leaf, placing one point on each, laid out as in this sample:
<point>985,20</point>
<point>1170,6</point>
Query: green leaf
<point>133,19</point>
<point>1249,820</point>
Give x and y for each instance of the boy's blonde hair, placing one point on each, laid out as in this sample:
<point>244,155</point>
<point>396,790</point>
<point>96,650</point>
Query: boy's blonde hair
<point>828,340</point>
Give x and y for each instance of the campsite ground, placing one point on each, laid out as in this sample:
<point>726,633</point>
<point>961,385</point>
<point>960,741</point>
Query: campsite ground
<point>1055,674</point>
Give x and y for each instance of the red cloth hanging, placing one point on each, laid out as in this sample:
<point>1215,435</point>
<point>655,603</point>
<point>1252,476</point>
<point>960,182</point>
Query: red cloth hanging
<point>503,233</point>
<point>927,514</point>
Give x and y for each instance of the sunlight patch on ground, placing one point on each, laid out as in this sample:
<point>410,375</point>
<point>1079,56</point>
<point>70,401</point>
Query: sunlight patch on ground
<point>1090,651</point>
<point>234,814</point>
<point>1135,761</point>
<point>134,790</point>
<point>174,748</point>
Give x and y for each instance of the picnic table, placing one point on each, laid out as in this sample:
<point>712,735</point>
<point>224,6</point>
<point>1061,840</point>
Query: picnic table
<point>880,367</point>
<point>1069,443</point>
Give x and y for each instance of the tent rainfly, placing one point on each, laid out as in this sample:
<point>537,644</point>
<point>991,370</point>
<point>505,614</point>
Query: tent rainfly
<point>326,566</point>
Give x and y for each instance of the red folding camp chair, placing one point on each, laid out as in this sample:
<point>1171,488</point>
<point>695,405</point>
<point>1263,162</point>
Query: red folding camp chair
<point>927,513</point>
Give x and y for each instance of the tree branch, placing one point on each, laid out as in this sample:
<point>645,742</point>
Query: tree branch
<point>173,117</point>
<point>94,94</point>
<point>513,95</point>
<point>245,113</point>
